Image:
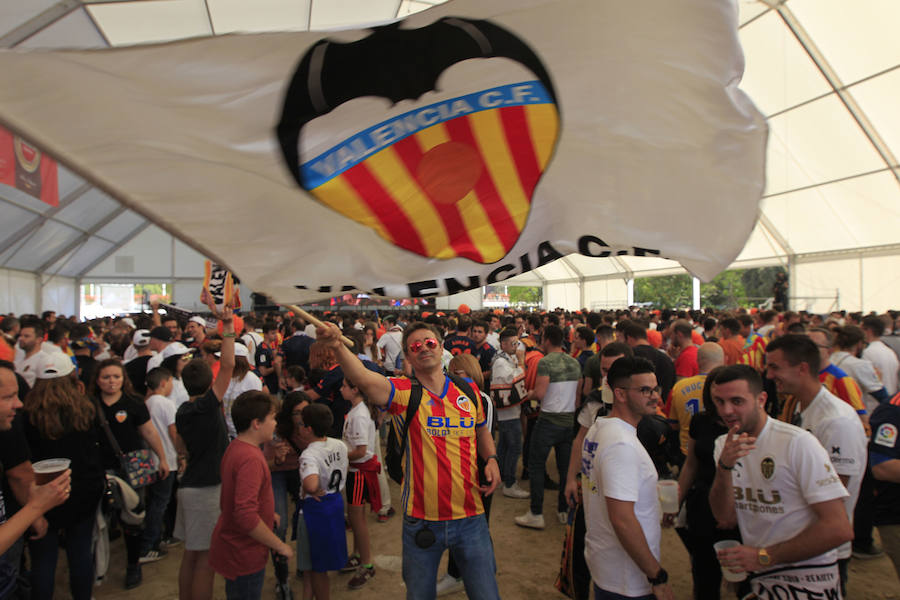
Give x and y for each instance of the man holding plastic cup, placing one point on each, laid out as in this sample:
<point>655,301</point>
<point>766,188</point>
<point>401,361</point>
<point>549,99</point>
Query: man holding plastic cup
<point>622,512</point>
<point>777,483</point>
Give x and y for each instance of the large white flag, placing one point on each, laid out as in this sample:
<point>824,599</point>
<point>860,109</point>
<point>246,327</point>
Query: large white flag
<point>462,146</point>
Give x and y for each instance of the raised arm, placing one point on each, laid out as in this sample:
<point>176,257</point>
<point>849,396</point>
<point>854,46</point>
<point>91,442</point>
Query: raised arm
<point>226,358</point>
<point>375,386</point>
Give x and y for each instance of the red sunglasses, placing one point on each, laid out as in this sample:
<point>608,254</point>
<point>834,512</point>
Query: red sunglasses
<point>429,343</point>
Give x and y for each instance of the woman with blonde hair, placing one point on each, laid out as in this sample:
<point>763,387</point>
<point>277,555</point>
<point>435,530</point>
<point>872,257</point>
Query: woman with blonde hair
<point>60,422</point>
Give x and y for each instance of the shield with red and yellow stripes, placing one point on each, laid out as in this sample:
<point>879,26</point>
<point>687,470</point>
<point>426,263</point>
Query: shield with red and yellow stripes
<point>434,137</point>
<point>450,179</point>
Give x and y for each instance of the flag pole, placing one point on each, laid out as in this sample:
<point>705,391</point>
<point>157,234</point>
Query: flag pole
<point>311,319</point>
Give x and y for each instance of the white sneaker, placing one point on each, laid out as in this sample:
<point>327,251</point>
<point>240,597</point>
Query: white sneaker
<point>563,518</point>
<point>515,491</point>
<point>448,585</point>
<point>530,520</point>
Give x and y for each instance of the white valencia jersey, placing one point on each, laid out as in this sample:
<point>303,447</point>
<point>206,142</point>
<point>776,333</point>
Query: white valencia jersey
<point>838,428</point>
<point>777,482</point>
<point>328,460</point>
<point>359,430</point>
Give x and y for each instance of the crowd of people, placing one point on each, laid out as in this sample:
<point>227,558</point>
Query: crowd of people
<point>268,435</point>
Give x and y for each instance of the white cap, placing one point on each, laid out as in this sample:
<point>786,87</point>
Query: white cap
<point>198,320</point>
<point>140,338</point>
<point>174,349</point>
<point>239,350</point>
<point>57,364</point>
<point>128,321</point>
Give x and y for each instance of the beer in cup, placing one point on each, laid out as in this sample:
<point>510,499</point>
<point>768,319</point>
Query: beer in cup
<point>46,471</point>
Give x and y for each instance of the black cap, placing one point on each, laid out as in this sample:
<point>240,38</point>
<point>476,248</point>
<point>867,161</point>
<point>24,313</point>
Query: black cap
<point>161,333</point>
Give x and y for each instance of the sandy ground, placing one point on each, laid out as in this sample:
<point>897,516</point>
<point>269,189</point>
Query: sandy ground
<point>527,564</point>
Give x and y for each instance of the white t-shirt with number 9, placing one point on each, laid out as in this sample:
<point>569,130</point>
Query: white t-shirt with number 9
<point>328,460</point>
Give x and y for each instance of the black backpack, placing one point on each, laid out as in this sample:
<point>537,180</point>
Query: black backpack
<point>399,433</point>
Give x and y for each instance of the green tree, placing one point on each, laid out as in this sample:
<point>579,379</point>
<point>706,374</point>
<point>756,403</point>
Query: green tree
<point>668,291</point>
<point>520,294</point>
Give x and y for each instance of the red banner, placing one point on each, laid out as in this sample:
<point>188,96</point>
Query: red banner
<point>26,168</point>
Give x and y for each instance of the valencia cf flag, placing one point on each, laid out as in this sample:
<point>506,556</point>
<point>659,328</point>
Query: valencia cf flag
<point>26,168</point>
<point>458,147</point>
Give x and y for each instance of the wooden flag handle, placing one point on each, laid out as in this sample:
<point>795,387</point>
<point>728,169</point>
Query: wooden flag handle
<point>311,319</point>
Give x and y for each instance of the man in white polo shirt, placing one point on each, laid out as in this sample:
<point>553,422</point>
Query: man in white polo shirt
<point>793,362</point>
<point>777,484</point>
<point>622,514</point>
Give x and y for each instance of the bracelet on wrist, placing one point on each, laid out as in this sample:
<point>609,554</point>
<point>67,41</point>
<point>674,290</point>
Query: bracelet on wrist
<point>229,335</point>
<point>494,456</point>
<point>724,467</point>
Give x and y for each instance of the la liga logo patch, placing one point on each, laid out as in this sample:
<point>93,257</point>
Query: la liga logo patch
<point>435,138</point>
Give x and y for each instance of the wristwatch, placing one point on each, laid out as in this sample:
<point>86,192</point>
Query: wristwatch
<point>661,577</point>
<point>494,456</point>
<point>763,557</point>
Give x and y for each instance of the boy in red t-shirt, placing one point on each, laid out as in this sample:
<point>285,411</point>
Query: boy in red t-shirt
<point>244,532</point>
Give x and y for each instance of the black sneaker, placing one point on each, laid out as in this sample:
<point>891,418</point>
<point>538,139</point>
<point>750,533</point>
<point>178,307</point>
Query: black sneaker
<point>133,576</point>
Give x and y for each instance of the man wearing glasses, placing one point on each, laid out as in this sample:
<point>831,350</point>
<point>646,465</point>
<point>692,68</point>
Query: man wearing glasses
<point>441,495</point>
<point>622,544</point>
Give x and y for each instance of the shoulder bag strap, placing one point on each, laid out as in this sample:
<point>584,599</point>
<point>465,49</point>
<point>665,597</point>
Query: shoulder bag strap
<point>109,435</point>
<point>415,399</point>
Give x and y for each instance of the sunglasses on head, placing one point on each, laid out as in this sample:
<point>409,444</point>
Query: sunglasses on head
<point>429,343</point>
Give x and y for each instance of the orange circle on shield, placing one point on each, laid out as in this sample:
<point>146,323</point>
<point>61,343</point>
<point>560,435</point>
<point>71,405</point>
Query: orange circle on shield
<point>449,171</point>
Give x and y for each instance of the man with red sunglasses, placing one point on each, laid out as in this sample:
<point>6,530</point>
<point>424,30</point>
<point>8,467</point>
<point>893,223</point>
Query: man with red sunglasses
<point>442,502</point>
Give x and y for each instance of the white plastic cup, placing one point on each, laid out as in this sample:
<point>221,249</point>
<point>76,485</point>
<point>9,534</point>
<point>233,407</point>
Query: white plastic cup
<point>668,495</point>
<point>46,471</point>
<point>726,572</point>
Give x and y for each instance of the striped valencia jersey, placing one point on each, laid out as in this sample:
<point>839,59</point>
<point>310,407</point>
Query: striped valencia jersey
<point>440,468</point>
<point>754,353</point>
<point>838,383</point>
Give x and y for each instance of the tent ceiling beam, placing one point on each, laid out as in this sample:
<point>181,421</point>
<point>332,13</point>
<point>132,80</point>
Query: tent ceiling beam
<point>29,229</point>
<point>629,274</point>
<point>130,236</point>
<point>82,239</point>
<point>776,235</point>
<point>839,88</point>
<point>892,168</point>
<point>867,251</point>
<point>39,22</point>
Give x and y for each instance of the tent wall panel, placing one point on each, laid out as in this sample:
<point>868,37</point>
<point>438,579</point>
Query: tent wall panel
<point>58,294</point>
<point>562,295</point>
<point>606,294</point>
<point>473,298</point>
<point>814,286</point>
<point>187,295</point>
<point>880,283</point>
<point>18,292</point>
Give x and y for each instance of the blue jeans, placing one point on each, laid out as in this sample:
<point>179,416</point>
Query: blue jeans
<point>158,496</point>
<point>545,436</point>
<point>509,447</point>
<point>600,594</point>
<point>280,491</point>
<point>470,545</point>
<point>245,587</point>
<point>45,551</point>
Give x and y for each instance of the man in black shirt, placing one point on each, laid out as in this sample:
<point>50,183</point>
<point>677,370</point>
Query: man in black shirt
<point>884,458</point>
<point>636,337</point>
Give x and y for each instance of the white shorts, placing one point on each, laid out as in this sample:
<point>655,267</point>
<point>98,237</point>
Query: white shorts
<point>198,512</point>
<point>805,581</point>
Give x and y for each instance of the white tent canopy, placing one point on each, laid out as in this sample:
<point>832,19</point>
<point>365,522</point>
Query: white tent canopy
<point>824,72</point>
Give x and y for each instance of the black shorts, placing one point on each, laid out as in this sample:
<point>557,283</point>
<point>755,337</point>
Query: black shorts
<point>357,491</point>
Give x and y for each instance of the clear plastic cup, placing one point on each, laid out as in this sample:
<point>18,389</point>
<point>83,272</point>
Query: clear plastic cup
<point>668,495</point>
<point>726,573</point>
<point>47,470</point>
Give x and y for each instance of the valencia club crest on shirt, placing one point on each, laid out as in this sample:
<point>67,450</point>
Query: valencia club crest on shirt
<point>463,404</point>
<point>435,137</point>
